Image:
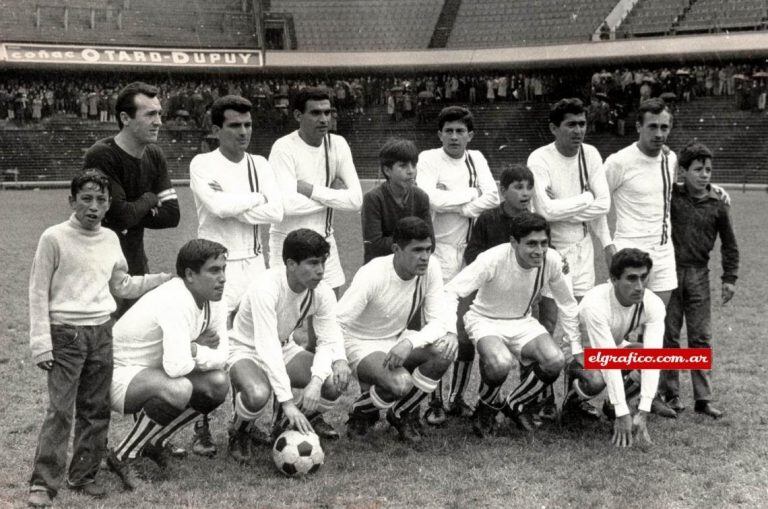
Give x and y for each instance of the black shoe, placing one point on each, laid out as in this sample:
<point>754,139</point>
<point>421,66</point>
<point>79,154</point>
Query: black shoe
<point>239,446</point>
<point>203,443</point>
<point>523,419</point>
<point>660,408</point>
<point>91,489</point>
<point>609,411</point>
<point>675,404</point>
<point>706,408</point>
<point>124,470</point>
<point>160,455</point>
<point>404,427</point>
<point>322,428</point>
<point>484,420</point>
<point>259,437</point>
<point>360,423</point>
<point>460,408</point>
<point>435,414</point>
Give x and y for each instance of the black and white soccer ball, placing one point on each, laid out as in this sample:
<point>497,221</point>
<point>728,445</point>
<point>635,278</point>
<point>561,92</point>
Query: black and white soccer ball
<point>297,454</point>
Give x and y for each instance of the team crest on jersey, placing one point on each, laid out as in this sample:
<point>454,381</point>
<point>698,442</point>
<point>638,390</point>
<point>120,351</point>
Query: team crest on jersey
<point>566,268</point>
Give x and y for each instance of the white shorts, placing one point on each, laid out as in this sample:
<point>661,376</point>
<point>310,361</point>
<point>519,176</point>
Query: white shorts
<point>334,274</point>
<point>515,333</point>
<point>237,353</point>
<point>580,257</point>
<point>359,349</point>
<point>240,273</point>
<point>663,276</point>
<point>121,379</point>
<point>451,259</point>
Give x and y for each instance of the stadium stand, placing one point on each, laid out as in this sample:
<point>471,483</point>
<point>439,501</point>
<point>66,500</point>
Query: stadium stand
<point>174,23</point>
<point>501,23</point>
<point>652,17</point>
<point>718,15</point>
<point>355,25</point>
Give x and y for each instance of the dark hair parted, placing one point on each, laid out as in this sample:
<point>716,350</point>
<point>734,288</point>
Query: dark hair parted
<point>398,150</point>
<point>309,94</point>
<point>515,173</point>
<point>524,224</point>
<point>228,102</point>
<point>563,107</point>
<point>195,253</point>
<point>126,99</point>
<point>456,114</point>
<point>304,243</point>
<point>411,228</point>
<point>629,257</point>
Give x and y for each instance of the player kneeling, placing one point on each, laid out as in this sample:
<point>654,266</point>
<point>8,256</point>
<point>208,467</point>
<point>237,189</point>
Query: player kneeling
<point>169,353</point>
<point>508,279</point>
<point>263,357</point>
<point>397,367</point>
<point>611,312</point>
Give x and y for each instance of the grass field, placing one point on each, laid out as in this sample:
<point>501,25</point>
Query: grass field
<point>694,462</point>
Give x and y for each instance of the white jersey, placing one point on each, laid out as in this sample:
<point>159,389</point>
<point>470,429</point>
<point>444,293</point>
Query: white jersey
<point>270,311</point>
<point>608,322</point>
<point>379,304</point>
<point>469,189</point>
<point>573,208</point>
<point>507,291</point>
<point>156,332</point>
<point>641,189</point>
<point>249,197</point>
<point>293,159</point>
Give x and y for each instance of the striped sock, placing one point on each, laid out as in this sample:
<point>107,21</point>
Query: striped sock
<point>422,386</point>
<point>166,432</point>
<point>527,391</point>
<point>437,394</point>
<point>489,394</point>
<point>461,372</point>
<point>143,430</point>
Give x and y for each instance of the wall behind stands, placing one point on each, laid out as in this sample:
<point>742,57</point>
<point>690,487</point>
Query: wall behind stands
<point>704,48</point>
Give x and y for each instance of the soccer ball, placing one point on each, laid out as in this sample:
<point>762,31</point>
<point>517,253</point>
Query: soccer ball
<point>297,454</point>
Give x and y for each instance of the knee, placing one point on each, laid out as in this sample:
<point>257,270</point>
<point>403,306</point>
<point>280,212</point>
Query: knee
<point>550,366</point>
<point>177,393</point>
<point>216,387</point>
<point>398,383</point>
<point>496,366</point>
<point>589,383</point>
<point>329,390</point>
<point>255,397</point>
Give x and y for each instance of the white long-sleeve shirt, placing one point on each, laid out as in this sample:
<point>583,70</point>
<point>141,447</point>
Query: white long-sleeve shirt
<point>641,189</point>
<point>469,190</point>
<point>74,275</point>
<point>250,197</point>
<point>157,331</point>
<point>270,311</point>
<point>293,159</point>
<point>379,304</point>
<point>506,291</point>
<point>573,207</point>
<point>608,322</point>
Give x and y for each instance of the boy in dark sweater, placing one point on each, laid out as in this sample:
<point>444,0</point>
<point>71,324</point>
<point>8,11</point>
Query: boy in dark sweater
<point>393,200</point>
<point>698,216</point>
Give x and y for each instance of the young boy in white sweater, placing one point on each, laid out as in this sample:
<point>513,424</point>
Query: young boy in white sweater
<point>77,269</point>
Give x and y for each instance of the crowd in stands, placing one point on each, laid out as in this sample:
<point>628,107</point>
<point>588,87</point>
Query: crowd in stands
<point>32,97</point>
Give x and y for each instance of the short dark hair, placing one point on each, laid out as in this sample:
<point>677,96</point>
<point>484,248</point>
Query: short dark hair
<point>524,224</point>
<point>456,114</point>
<point>654,106</point>
<point>694,151</point>
<point>629,257</point>
<point>228,102</point>
<point>309,94</point>
<point>411,228</point>
<point>195,253</point>
<point>515,173</point>
<point>91,175</point>
<point>398,150</point>
<point>125,99</point>
<point>563,107</point>
<point>304,243</point>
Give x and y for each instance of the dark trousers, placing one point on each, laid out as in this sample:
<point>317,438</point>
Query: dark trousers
<point>689,302</point>
<point>80,380</point>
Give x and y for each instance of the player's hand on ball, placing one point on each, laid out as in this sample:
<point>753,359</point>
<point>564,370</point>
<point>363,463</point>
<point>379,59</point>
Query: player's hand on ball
<point>622,431</point>
<point>45,365</point>
<point>640,427</point>
<point>215,186</point>
<point>208,338</point>
<point>296,419</point>
<point>341,373</point>
<point>727,292</point>
<point>310,396</point>
<point>397,355</point>
<point>448,346</point>
<point>338,184</point>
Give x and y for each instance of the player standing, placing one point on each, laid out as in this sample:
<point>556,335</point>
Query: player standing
<point>169,352</point>
<point>264,359</point>
<point>397,367</point>
<point>508,279</point>
<point>234,193</point>
<point>460,186</point>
